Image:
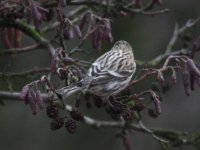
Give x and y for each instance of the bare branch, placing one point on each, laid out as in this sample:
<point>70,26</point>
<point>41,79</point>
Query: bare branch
<point>19,50</point>
<point>31,72</point>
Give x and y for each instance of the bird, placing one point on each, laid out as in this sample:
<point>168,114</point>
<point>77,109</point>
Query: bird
<point>108,75</point>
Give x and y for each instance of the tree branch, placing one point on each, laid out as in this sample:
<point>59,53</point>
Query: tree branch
<point>31,72</point>
<point>19,50</point>
<point>175,36</point>
<point>165,134</point>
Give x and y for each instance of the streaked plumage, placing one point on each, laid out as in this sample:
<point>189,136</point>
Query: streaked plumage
<point>109,74</point>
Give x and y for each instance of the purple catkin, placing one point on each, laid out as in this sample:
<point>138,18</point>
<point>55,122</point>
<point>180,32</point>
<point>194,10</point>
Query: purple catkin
<point>126,142</point>
<point>99,38</point>
<point>160,78</point>
<point>39,99</point>
<point>37,16</point>
<point>53,64</point>
<point>86,18</point>
<point>157,105</point>
<point>193,67</point>
<point>173,77</point>
<point>77,31</point>
<point>24,94</point>
<point>107,32</point>
<point>31,101</point>
<point>110,37</point>
<point>68,33</point>
<point>186,83</point>
<point>192,80</point>
<point>68,60</point>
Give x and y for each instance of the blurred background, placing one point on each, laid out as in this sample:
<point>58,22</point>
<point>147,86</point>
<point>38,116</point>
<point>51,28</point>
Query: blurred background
<point>149,36</point>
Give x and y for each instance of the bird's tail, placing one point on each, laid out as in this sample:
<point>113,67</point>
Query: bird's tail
<point>67,91</point>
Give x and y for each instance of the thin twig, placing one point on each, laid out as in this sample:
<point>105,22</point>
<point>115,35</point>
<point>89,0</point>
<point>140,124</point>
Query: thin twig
<point>20,50</point>
<point>31,72</point>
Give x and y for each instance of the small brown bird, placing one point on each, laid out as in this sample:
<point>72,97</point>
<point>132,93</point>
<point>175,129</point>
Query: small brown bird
<point>109,74</point>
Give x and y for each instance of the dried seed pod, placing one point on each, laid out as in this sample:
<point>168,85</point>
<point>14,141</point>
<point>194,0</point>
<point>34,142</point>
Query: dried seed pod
<point>56,123</point>
<point>152,113</point>
<point>76,114</point>
<point>52,111</point>
<point>186,82</point>
<point>70,125</point>
<point>139,105</point>
<point>77,102</point>
<point>98,102</point>
<point>127,114</point>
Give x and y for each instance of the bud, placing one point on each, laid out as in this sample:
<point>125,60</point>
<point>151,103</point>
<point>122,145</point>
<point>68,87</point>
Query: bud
<point>186,82</point>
